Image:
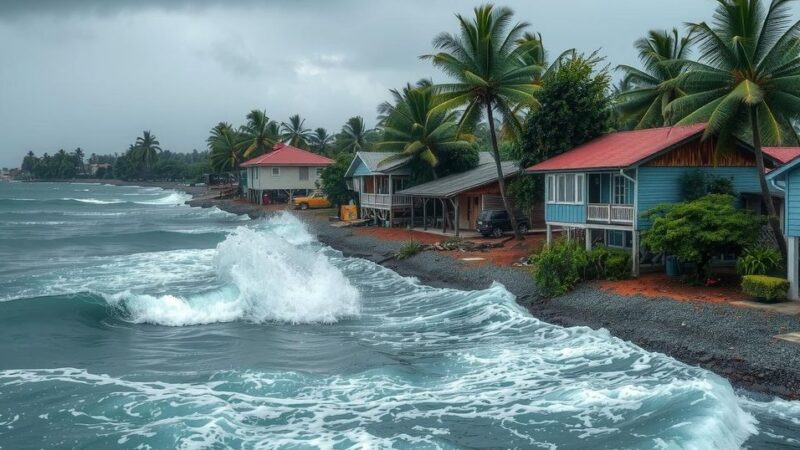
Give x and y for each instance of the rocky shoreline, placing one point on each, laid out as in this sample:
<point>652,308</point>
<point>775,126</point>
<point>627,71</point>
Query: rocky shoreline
<point>734,342</point>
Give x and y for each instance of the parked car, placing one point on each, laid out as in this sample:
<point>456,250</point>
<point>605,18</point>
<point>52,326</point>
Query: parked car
<point>495,222</point>
<point>315,200</point>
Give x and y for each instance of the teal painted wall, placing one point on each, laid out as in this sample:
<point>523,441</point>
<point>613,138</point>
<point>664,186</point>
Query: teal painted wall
<point>565,213</point>
<point>361,169</point>
<point>662,184</point>
<point>792,209</point>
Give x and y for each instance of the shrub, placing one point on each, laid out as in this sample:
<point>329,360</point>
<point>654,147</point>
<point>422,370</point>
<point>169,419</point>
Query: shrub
<point>693,185</point>
<point>408,249</point>
<point>608,264</point>
<point>695,231</point>
<point>759,260</point>
<point>719,185</point>
<point>559,267</point>
<point>765,288</point>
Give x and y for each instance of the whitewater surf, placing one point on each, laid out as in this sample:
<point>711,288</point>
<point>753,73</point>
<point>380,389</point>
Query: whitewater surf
<point>135,321</point>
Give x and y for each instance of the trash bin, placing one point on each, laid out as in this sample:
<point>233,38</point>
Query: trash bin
<point>673,266</point>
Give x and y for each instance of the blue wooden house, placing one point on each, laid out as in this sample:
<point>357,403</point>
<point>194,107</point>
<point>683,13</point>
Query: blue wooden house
<point>787,180</point>
<point>602,187</point>
<point>377,177</point>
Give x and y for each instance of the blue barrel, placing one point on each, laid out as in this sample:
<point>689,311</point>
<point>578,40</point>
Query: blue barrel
<point>673,266</point>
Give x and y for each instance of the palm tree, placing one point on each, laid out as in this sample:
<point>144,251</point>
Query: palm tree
<point>491,75</point>
<point>294,133</point>
<point>320,140</point>
<point>643,103</point>
<point>147,149</point>
<point>353,137</point>
<point>226,148</point>
<point>746,83</point>
<point>260,133</point>
<point>416,129</point>
<point>386,108</point>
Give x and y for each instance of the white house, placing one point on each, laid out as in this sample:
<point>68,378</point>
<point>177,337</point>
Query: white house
<point>285,169</point>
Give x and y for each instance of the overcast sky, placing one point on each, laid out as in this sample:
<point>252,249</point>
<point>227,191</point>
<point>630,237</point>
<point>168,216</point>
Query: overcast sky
<point>95,73</point>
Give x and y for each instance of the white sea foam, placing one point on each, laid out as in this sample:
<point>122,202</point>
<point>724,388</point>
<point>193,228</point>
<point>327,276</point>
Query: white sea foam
<point>174,198</point>
<point>94,201</point>
<point>267,277</point>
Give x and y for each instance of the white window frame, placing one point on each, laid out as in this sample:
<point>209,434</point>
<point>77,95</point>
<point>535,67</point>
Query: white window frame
<point>276,171</point>
<point>552,188</point>
<point>615,193</point>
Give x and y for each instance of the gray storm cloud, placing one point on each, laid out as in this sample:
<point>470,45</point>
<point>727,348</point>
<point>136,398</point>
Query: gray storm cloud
<point>95,73</point>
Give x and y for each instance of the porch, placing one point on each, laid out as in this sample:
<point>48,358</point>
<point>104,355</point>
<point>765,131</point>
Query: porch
<point>610,199</point>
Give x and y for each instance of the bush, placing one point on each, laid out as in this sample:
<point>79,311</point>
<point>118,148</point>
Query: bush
<point>558,268</point>
<point>759,260</point>
<point>408,249</point>
<point>765,288</point>
<point>609,264</point>
<point>693,185</point>
<point>695,231</point>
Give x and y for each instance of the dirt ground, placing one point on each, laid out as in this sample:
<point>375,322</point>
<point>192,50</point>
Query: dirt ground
<point>659,285</point>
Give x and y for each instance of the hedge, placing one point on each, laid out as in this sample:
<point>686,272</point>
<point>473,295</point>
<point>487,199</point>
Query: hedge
<point>764,287</point>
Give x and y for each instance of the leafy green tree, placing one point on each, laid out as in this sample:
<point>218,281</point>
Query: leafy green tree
<point>416,129</point>
<point>746,83</point>
<point>260,134</point>
<point>574,108</point>
<point>647,92</point>
<point>295,133</point>
<point>77,157</point>
<point>227,148</point>
<point>29,162</point>
<point>333,183</point>
<point>321,141</point>
<point>354,136</point>
<point>490,76</point>
<point>697,230</point>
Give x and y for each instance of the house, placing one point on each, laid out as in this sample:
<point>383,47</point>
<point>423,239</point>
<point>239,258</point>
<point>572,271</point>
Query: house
<point>787,179</point>
<point>453,203</point>
<point>601,188</point>
<point>377,177</point>
<point>285,170</point>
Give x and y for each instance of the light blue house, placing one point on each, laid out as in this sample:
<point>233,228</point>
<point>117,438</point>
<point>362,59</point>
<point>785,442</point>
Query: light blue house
<point>787,179</point>
<point>377,177</point>
<point>601,188</point>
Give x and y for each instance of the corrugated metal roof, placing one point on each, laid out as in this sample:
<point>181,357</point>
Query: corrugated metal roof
<point>286,155</point>
<point>782,154</point>
<point>376,163</point>
<point>452,185</point>
<point>619,150</point>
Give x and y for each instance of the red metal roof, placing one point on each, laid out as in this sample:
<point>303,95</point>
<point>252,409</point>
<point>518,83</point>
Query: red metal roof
<point>286,155</point>
<point>782,154</point>
<point>619,150</point>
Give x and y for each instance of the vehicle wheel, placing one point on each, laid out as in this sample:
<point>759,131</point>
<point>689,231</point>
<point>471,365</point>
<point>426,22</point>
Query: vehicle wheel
<point>303,206</point>
<point>523,228</point>
<point>497,232</point>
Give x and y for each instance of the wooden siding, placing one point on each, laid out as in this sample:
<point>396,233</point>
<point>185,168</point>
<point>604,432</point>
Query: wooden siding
<point>262,178</point>
<point>792,213</point>
<point>701,153</point>
<point>663,184</point>
<point>554,212</point>
<point>361,169</point>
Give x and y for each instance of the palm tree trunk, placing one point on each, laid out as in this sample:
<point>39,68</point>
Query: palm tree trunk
<point>500,177</point>
<point>766,197</point>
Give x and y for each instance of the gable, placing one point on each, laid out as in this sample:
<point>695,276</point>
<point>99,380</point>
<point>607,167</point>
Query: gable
<point>703,153</point>
<point>360,169</point>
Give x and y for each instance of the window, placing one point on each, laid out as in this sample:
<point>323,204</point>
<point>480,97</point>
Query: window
<point>304,174</point>
<point>276,171</point>
<point>619,238</point>
<point>565,188</point>
<point>620,190</point>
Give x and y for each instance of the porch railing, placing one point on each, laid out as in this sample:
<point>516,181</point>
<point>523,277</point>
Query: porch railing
<point>384,201</point>
<point>608,213</point>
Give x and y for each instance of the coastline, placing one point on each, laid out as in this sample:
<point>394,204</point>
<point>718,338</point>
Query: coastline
<point>733,342</point>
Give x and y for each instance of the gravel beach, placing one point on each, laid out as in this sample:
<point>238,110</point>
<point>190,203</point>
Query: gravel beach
<point>734,342</point>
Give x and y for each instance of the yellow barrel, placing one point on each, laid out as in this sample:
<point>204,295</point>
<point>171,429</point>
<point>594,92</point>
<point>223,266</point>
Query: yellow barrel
<point>348,213</point>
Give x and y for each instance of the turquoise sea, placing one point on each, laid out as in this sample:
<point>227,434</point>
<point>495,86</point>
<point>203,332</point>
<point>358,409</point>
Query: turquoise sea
<point>130,320</point>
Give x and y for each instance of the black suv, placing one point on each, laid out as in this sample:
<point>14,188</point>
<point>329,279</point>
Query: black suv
<point>495,222</point>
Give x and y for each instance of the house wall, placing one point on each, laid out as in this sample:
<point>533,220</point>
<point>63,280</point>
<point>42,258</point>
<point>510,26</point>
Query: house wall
<point>261,178</point>
<point>663,184</point>
<point>565,213</point>
<point>792,202</point>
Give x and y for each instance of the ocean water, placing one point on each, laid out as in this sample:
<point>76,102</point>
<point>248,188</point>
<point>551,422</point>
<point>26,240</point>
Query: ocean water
<point>130,320</point>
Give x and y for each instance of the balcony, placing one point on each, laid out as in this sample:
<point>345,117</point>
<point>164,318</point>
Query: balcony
<point>385,201</point>
<point>610,213</point>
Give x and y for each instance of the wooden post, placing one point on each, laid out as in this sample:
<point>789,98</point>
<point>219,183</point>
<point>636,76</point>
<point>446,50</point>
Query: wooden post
<point>791,267</point>
<point>549,229</point>
<point>425,214</point>
<point>444,216</point>
<point>635,255</point>
<point>458,221</point>
<point>588,236</point>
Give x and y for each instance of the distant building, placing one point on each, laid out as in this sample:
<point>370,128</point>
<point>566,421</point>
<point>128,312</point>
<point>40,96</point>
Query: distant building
<point>285,171</point>
<point>92,169</point>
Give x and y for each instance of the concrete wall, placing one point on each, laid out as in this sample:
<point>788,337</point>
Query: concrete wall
<point>262,178</point>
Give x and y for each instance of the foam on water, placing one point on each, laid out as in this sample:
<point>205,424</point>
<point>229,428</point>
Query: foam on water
<point>267,277</point>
